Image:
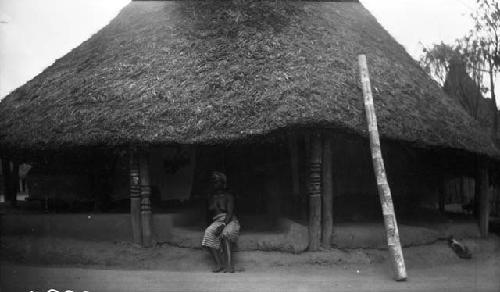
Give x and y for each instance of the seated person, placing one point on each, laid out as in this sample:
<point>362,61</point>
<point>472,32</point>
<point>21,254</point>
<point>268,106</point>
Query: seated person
<point>225,227</point>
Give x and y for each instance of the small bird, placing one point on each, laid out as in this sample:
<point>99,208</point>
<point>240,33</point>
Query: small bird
<point>460,249</point>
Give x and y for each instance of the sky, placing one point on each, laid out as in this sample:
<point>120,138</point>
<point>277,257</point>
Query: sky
<point>34,33</point>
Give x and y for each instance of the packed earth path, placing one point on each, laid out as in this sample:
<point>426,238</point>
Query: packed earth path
<point>460,277</point>
<point>35,264</point>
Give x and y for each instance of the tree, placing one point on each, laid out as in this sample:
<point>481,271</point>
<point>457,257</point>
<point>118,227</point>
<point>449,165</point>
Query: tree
<point>437,60</point>
<point>478,52</point>
<point>486,44</point>
<point>458,69</point>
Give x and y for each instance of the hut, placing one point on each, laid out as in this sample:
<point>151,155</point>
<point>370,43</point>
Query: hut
<point>266,91</point>
<point>460,86</point>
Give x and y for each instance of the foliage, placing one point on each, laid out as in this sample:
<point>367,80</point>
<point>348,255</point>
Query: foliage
<point>486,37</point>
<point>486,31</point>
<point>483,40</point>
<point>478,51</point>
<point>437,60</point>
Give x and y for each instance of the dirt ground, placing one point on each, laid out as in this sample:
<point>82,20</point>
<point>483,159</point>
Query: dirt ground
<point>37,263</point>
<point>480,276</point>
<point>124,255</point>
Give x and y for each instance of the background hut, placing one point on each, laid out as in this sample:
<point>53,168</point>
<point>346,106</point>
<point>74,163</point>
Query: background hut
<point>169,90</point>
<point>460,86</point>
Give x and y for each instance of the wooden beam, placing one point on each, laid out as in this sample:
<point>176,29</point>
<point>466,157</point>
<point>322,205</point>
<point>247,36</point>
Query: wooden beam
<point>146,216</point>
<point>314,189</point>
<point>391,226</point>
<point>327,187</point>
<point>135,197</point>
<point>484,202</point>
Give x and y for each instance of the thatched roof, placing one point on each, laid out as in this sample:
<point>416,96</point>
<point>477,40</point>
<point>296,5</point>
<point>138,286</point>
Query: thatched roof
<point>210,72</point>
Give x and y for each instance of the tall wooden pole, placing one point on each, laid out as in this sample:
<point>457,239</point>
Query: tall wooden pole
<point>391,226</point>
<point>484,202</point>
<point>327,187</point>
<point>146,216</point>
<point>135,197</point>
<point>314,189</point>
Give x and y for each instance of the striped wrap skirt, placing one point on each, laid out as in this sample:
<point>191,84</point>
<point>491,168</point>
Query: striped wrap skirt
<point>231,231</point>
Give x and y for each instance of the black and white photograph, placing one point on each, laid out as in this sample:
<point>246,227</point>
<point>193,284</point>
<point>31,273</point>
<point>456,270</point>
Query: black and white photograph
<point>249,145</point>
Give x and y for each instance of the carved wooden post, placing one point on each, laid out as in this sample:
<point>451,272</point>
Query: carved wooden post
<point>146,216</point>
<point>391,226</point>
<point>484,202</point>
<point>314,188</point>
<point>135,197</point>
<point>327,217</point>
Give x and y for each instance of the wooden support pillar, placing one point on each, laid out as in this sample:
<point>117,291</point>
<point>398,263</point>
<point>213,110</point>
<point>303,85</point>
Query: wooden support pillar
<point>442,195</point>
<point>294,163</point>
<point>6,177</point>
<point>314,189</point>
<point>462,188</point>
<point>304,158</point>
<point>484,202</point>
<point>477,192</point>
<point>10,171</point>
<point>391,226</point>
<point>294,167</point>
<point>14,184</point>
<point>327,187</point>
<point>442,170</point>
<point>146,216</point>
<point>135,197</point>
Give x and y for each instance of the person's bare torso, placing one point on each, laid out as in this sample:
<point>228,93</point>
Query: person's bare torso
<point>219,202</point>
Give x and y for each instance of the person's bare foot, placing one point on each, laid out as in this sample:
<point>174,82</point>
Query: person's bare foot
<point>217,270</point>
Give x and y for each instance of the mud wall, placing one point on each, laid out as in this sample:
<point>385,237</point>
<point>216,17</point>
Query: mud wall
<point>93,227</point>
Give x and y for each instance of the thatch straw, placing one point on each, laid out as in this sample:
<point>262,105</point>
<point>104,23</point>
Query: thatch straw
<point>214,71</point>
